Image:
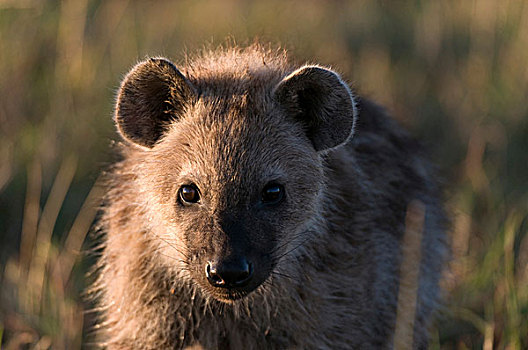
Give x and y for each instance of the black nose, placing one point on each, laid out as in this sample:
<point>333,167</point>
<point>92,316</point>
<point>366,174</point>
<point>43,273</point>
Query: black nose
<point>227,274</point>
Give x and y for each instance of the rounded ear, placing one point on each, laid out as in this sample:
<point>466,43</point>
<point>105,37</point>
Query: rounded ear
<point>153,94</point>
<point>322,102</point>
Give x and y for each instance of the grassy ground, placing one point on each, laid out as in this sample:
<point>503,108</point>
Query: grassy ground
<point>453,72</point>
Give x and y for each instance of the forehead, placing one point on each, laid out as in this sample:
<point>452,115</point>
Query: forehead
<point>235,131</point>
<point>234,135</point>
<point>234,145</point>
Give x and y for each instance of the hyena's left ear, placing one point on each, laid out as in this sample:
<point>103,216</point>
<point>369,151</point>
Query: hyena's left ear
<point>153,94</point>
<point>322,102</point>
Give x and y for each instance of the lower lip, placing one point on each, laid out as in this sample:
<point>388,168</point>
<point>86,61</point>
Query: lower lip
<point>229,297</point>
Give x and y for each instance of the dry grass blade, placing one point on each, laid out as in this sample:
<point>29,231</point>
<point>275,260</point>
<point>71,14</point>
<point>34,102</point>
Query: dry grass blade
<point>31,214</point>
<point>6,161</point>
<point>409,273</point>
<point>47,221</point>
<point>29,226</point>
<point>77,234</point>
<point>513,311</point>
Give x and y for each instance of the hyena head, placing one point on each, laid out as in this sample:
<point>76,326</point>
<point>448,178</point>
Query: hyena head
<point>228,164</point>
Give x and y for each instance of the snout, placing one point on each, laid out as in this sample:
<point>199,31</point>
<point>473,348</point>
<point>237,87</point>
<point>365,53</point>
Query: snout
<point>233,273</point>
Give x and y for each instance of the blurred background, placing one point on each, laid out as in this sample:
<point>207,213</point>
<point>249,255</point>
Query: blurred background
<point>453,72</point>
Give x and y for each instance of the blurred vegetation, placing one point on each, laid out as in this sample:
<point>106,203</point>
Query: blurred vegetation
<point>454,72</point>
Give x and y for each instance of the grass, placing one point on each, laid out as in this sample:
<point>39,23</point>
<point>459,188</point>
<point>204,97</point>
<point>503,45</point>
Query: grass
<point>452,72</point>
<point>40,303</point>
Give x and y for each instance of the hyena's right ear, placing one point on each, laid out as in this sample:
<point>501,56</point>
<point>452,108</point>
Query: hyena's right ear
<point>153,94</point>
<point>318,98</point>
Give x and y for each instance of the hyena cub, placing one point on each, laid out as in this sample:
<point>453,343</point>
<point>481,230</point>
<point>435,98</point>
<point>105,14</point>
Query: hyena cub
<point>259,205</point>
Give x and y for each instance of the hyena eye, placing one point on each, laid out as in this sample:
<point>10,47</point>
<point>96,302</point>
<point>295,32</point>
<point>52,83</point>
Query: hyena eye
<point>272,193</point>
<point>189,194</point>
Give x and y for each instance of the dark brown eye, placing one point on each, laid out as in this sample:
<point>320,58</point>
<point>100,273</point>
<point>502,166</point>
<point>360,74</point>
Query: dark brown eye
<point>272,193</point>
<point>189,194</point>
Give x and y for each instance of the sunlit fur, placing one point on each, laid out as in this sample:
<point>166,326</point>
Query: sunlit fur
<point>332,276</point>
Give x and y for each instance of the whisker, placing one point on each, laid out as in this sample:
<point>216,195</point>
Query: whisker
<point>292,249</point>
<point>283,275</point>
<point>160,248</point>
<point>172,245</point>
<point>293,238</point>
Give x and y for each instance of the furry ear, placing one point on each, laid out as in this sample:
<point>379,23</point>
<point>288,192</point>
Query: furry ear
<point>153,94</point>
<point>318,98</point>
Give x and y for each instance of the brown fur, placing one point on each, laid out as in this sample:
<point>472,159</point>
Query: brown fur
<point>326,258</point>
